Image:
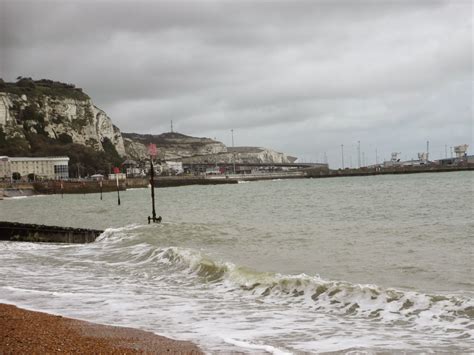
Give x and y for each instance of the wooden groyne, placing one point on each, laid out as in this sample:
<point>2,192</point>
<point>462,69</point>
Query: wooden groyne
<point>22,232</point>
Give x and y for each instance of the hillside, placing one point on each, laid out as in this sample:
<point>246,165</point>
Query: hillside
<point>170,145</point>
<point>50,118</point>
<point>177,146</point>
<point>44,117</point>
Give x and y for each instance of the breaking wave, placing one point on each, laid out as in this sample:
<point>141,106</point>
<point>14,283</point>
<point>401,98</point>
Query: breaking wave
<point>367,301</point>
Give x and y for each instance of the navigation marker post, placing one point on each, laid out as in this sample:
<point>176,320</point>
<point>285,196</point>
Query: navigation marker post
<point>100,184</point>
<point>116,172</point>
<point>153,153</point>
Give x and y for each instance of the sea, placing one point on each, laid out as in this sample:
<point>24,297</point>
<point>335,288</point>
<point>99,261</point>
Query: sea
<point>348,265</point>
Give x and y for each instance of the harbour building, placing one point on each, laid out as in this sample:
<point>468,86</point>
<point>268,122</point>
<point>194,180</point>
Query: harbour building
<point>43,167</point>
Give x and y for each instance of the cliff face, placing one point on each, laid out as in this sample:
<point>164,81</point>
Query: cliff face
<point>176,146</point>
<point>171,146</point>
<point>63,116</point>
<point>244,155</point>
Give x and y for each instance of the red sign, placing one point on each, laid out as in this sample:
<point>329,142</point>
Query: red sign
<point>152,150</point>
<point>116,170</point>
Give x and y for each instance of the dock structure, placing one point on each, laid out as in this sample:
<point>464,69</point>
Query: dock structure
<point>22,232</point>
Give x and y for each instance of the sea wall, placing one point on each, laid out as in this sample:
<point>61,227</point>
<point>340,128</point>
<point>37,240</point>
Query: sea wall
<point>21,232</point>
<point>77,187</point>
<point>368,171</point>
<point>175,181</point>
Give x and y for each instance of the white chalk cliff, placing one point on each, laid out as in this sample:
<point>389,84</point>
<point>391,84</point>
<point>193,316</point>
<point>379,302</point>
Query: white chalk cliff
<point>81,120</point>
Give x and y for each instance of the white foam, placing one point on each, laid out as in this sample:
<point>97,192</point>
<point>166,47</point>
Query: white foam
<point>247,345</point>
<point>130,280</point>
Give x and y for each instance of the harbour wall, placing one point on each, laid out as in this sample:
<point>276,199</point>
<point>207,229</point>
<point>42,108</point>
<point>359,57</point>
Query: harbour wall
<point>366,171</point>
<point>174,181</point>
<point>21,232</point>
<point>8,189</point>
<point>77,187</point>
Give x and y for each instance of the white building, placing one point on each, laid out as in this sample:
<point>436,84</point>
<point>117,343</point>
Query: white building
<point>174,167</point>
<point>119,176</point>
<point>44,167</point>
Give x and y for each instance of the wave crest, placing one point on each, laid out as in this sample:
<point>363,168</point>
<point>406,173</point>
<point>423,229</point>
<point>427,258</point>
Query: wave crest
<point>333,297</point>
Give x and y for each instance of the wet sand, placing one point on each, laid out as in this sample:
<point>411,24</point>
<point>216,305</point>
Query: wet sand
<point>27,332</point>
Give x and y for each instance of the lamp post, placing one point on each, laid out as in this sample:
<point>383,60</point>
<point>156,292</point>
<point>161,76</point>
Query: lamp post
<point>358,153</point>
<point>233,153</point>
<point>342,155</point>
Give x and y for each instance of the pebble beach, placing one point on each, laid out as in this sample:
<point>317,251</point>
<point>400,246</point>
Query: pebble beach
<point>28,332</point>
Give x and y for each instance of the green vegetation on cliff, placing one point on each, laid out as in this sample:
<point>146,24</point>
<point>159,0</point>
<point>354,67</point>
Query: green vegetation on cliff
<point>35,88</point>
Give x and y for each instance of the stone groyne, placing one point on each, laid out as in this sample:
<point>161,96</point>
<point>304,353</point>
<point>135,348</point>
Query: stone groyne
<point>22,232</point>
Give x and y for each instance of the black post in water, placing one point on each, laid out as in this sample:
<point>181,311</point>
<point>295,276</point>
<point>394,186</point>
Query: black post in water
<point>100,183</point>
<point>152,183</point>
<point>118,190</point>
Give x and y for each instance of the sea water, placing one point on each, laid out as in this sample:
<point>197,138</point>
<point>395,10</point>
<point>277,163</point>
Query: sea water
<point>382,263</point>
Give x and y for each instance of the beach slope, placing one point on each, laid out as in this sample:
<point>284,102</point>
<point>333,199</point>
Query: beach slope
<point>23,331</point>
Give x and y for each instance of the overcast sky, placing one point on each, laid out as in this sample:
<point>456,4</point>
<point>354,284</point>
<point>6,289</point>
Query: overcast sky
<point>301,77</point>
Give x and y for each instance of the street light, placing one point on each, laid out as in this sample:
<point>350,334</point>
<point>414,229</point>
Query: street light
<point>233,152</point>
<point>358,153</point>
<point>342,154</point>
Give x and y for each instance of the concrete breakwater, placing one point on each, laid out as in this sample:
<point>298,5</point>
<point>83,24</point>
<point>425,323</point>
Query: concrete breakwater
<point>22,232</point>
<point>80,187</point>
<point>8,189</point>
<point>174,181</point>
<point>369,171</point>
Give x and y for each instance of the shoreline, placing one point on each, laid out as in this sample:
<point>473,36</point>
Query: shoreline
<point>25,331</point>
<point>20,190</point>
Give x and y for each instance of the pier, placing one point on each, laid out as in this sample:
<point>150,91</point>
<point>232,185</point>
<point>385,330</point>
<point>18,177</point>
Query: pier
<point>22,232</point>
